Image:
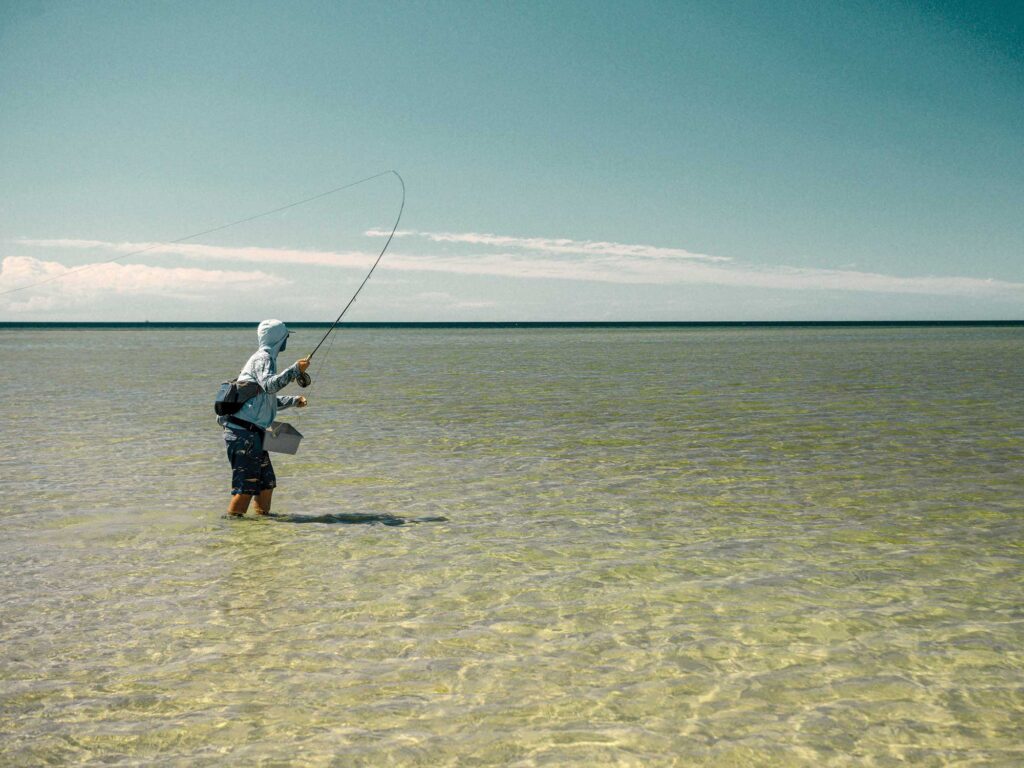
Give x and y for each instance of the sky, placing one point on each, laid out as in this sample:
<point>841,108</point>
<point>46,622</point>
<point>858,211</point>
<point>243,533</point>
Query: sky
<point>563,161</point>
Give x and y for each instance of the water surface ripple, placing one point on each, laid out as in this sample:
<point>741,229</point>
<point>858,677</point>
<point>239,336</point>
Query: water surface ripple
<point>520,547</point>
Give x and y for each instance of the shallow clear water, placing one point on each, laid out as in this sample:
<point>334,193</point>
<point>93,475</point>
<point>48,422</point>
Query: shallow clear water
<point>662,547</point>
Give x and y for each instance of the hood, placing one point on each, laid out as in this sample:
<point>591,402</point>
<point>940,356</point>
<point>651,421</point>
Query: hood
<point>271,335</point>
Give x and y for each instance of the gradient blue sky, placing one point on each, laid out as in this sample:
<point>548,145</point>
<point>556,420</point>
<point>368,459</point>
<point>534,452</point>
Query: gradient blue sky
<point>569,160</point>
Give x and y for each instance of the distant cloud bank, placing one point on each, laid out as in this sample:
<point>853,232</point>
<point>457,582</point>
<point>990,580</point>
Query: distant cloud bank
<point>473,253</point>
<point>112,278</point>
<point>198,251</point>
<point>553,245</point>
<point>624,263</point>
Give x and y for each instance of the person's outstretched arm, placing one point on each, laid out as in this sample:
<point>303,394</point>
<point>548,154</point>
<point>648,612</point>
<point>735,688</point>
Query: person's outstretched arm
<point>274,382</point>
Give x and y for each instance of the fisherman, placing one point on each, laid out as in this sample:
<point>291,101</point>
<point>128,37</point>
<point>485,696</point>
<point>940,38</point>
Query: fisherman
<point>251,471</point>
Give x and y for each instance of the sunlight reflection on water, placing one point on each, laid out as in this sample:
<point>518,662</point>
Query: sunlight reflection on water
<point>796,547</point>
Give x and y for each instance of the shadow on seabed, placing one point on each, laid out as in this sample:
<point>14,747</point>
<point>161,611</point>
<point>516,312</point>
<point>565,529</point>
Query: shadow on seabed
<point>352,518</point>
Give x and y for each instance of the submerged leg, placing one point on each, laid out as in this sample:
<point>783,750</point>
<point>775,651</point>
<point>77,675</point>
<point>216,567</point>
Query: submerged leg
<point>239,504</point>
<point>263,501</point>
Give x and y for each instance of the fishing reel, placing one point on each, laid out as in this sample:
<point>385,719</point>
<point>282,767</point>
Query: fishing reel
<point>303,380</point>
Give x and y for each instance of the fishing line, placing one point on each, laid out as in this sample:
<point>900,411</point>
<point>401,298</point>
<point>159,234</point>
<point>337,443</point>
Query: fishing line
<point>227,226</point>
<point>366,279</point>
<point>304,379</point>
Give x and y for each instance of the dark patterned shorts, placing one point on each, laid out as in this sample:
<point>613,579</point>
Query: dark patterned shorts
<point>251,470</point>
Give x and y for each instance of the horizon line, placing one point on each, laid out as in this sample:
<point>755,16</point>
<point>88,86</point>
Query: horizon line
<point>485,324</point>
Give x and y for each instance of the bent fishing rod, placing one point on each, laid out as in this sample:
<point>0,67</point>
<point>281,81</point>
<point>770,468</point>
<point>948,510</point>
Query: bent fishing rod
<point>304,379</point>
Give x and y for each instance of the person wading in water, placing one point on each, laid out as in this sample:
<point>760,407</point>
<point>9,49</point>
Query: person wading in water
<point>252,474</point>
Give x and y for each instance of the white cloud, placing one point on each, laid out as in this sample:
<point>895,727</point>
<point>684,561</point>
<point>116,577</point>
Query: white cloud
<point>644,264</point>
<point>60,285</point>
<point>352,259</point>
<point>543,258</point>
<point>560,246</point>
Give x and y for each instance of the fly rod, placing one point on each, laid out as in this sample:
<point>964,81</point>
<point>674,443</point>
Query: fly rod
<point>304,379</point>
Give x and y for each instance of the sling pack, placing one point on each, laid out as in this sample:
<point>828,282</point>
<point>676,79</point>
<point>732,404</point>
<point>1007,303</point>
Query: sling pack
<point>233,394</point>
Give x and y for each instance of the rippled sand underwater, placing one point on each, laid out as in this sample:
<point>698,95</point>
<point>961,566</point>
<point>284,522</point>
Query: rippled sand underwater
<point>659,547</point>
